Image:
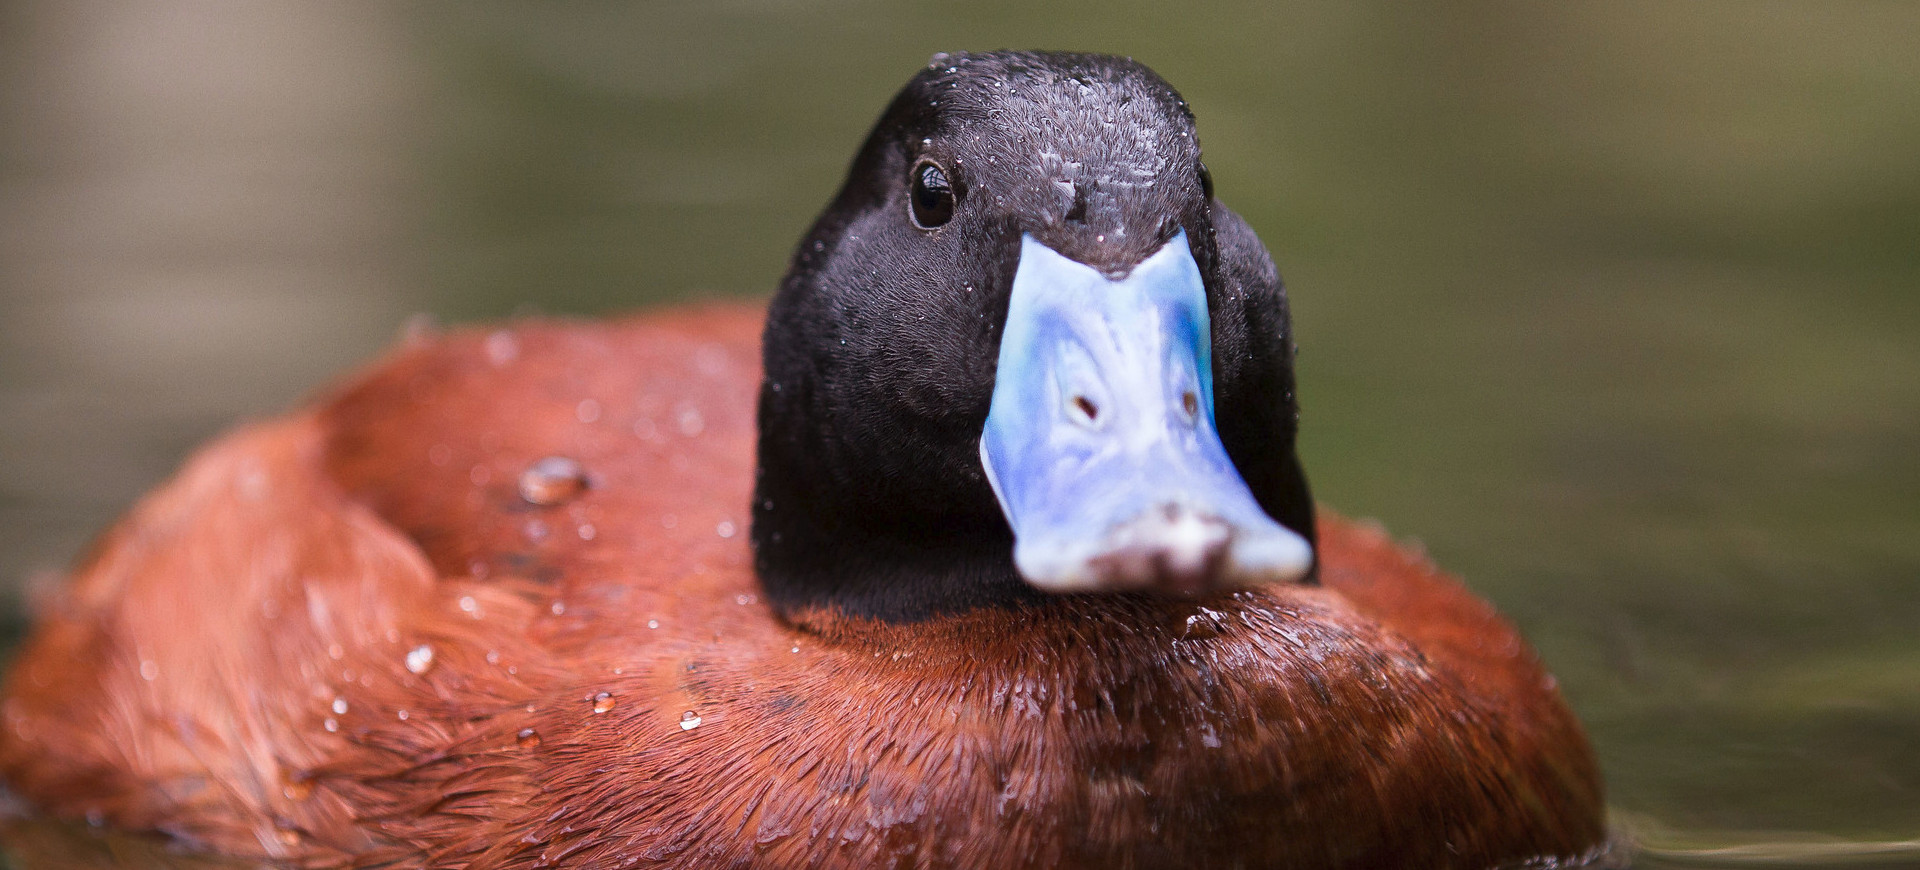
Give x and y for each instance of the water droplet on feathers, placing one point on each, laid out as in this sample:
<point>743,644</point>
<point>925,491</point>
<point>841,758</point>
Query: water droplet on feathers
<point>420,659</point>
<point>502,348</point>
<point>552,480</point>
<point>690,421</point>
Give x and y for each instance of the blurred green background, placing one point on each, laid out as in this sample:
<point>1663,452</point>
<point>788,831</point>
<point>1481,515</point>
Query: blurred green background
<point>1615,307</point>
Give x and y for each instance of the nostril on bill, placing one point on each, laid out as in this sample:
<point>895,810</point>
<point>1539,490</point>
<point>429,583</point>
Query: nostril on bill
<point>1190,403</point>
<point>1088,409</point>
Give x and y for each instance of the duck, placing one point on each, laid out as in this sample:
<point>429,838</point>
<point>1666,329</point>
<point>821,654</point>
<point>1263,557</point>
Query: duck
<point>984,544</point>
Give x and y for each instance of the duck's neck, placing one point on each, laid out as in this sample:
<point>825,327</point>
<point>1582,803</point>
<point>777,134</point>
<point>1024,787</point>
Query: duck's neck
<point>861,560</point>
<point>833,530</point>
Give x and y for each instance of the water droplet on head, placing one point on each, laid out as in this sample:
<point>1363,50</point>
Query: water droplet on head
<point>340,706</point>
<point>689,720</point>
<point>493,656</point>
<point>536,531</point>
<point>602,702</point>
<point>527,738</point>
<point>420,659</point>
<point>653,623</point>
<point>403,715</point>
<point>330,725</point>
<point>149,670</point>
<point>587,532</point>
<point>552,480</point>
<point>336,651</point>
<point>725,529</point>
<point>468,605</point>
<point>558,608</point>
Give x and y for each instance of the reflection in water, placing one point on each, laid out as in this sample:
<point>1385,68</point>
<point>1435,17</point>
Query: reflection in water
<point>1613,306</point>
<point>1809,855</point>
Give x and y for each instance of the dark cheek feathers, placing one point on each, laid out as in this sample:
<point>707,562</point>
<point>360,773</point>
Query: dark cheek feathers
<point>1260,420</point>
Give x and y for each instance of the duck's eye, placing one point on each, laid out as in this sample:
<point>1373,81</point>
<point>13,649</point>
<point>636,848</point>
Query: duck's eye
<point>932,196</point>
<point>1206,182</point>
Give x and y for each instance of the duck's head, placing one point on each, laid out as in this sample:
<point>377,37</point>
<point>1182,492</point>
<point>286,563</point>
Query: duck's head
<point>1025,352</point>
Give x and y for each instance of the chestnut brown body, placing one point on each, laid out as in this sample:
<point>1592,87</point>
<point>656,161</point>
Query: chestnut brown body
<point>347,638</point>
